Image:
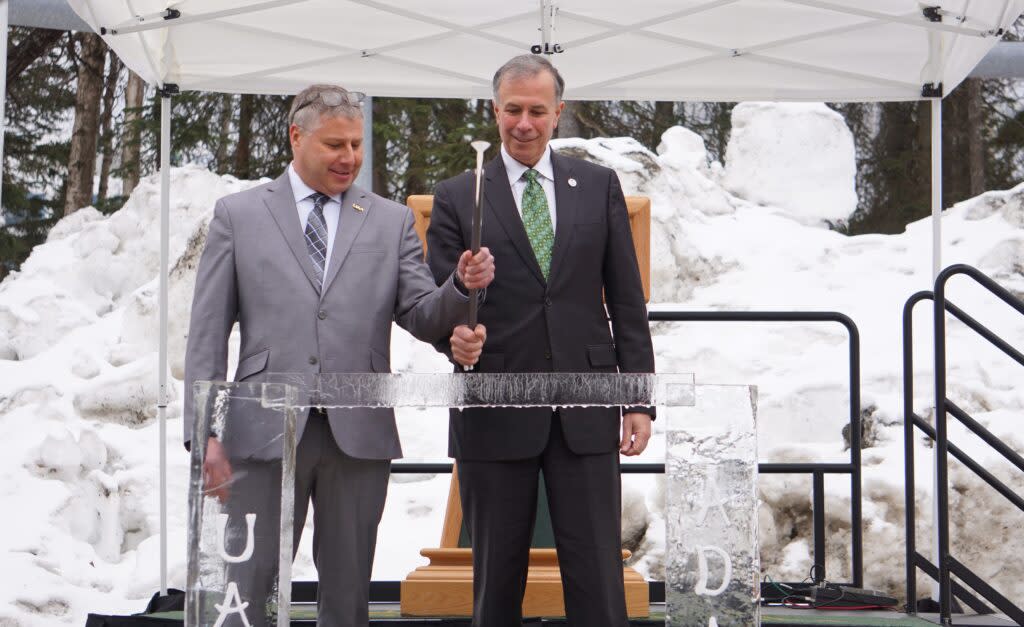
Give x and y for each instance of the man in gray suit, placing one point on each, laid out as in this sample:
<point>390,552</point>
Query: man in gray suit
<point>315,269</point>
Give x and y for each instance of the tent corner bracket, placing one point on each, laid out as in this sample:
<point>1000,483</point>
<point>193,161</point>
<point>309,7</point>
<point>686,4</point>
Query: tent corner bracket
<point>168,90</point>
<point>932,90</point>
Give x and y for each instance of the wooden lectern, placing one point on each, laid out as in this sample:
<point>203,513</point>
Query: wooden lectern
<point>444,587</point>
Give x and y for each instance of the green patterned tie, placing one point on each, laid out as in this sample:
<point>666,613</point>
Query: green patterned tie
<point>537,220</point>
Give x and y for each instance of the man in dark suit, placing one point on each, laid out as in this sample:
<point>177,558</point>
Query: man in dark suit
<point>561,229</point>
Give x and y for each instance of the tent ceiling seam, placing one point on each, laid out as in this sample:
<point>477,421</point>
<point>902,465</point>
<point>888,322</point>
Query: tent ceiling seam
<point>758,58</point>
<point>274,70</point>
<point>615,31</point>
<point>753,51</point>
<point>452,26</point>
<point>431,68</point>
<point>660,70</point>
<point>346,51</point>
<point>871,22</point>
<point>828,6</point>
<point>448,34</point>
<point>132,26</point>
<point>319,43</point>
<point>640,28</point>
<point>817,69</point>
<point>839,30</point>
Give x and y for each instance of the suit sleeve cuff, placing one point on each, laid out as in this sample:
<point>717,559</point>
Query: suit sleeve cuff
<point>463,293</point>
<point>641,409</point>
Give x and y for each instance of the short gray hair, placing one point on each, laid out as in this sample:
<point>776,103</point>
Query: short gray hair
<point>528,66</point>
<point>311,104</point>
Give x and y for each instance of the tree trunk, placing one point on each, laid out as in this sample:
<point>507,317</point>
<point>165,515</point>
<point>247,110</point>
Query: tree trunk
<point>30,49</point>
<point>664,119</point>
<point>419,135</point>
<point>569,122</point>
<point>82,160</point>
<point>381,119</point>
<point>131,138</point>
<point>224,130</point>
<point>975,136</point>
<point>244,147</point>
<point>106,148</point>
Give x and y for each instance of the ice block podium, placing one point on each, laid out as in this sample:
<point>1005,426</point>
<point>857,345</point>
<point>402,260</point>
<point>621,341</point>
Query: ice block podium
<point>240,535</point>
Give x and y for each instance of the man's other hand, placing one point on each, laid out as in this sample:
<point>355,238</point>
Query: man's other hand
<point>476,271</point>
<point>467,344</point>
<point>636,432</point>
<point>216,471</point>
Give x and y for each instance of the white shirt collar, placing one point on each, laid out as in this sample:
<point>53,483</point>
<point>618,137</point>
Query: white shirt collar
<point>515,169</point>
<point>300,190</point>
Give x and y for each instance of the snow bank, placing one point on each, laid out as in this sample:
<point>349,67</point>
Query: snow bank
<point>798,157</point>
<point>78,335</point>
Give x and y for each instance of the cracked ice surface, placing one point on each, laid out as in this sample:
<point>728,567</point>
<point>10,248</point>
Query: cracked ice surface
<point>243,535</point>
<point>712,570</point>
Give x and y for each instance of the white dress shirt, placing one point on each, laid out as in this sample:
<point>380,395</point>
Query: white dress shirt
<point>546,179</point>
<point>304,205</point>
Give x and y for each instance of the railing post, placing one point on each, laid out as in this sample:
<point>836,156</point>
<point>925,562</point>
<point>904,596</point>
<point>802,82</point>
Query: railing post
<point>818,512</point>
<point>908,448</point>
<point>856,515</point>
<point>942,450</point>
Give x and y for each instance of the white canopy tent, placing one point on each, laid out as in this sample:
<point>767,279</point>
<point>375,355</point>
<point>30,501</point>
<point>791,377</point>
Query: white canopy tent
<point>701,50</point>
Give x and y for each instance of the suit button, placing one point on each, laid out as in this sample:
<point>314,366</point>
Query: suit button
<point>322,314</point>
<point>547,354</point>
<point>547,302</point>
<point>312,361</point>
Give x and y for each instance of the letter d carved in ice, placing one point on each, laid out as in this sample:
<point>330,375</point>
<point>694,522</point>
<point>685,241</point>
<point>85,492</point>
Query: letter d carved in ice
<point>702,567</point>
<point>222,524</point>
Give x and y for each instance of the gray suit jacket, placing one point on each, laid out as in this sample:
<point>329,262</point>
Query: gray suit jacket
<point>256,270</point>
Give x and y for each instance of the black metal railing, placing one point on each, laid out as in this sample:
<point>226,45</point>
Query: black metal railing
<point>815,469</point>
<point>949,565</point>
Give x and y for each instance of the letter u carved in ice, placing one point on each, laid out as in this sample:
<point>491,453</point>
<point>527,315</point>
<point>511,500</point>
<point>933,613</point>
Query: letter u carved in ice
<point>246,554</point>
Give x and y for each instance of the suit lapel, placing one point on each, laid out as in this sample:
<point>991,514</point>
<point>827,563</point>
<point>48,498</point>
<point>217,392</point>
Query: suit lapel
<point>281,203</point>
<point>350,221</point>
<point>566,208</point>
<point>498,195</point>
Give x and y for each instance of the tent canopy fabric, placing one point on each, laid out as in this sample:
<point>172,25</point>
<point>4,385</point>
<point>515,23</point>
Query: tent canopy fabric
<point>725,50</point>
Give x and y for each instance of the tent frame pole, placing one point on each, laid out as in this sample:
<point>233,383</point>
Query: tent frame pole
<point>165,210</point>
<point>936,187</point>
<point>936,141</point>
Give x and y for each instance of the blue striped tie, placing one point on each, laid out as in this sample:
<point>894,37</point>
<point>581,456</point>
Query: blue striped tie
<point>316,236</point>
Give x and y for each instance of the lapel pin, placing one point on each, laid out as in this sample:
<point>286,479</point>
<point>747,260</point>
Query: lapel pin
<point>357,207</point>
<point>572,182</point>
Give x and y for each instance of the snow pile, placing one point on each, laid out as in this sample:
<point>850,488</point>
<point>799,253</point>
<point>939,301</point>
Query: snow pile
<point>797,156</point>
<point>78,340</point>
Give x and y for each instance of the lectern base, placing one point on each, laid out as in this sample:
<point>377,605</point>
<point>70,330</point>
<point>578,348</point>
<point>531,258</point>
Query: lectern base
<point>445,586</point>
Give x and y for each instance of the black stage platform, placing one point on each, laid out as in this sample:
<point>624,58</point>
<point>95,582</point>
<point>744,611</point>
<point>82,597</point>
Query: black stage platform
<point>387,614</point>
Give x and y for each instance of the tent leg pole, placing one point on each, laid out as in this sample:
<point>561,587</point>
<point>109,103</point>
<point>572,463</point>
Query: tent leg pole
<point>165,209</point>
<point>936,187</point>
<point>936,123</point>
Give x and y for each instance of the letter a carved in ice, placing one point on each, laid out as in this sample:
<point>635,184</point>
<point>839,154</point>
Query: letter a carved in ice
<point>232,605</point>
<point>222,524</point>
<point>702,568</point>
<point>713,498</point>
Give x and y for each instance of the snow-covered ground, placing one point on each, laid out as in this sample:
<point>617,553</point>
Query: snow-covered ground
<point>78,333</point>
